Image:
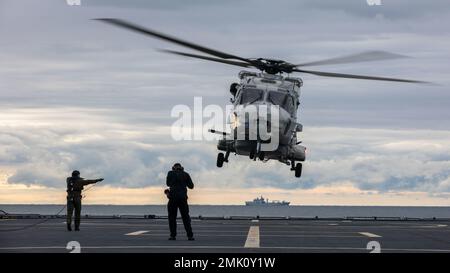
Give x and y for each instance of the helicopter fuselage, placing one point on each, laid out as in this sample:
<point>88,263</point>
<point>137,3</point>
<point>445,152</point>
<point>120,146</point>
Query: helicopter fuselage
<point>266,101</point>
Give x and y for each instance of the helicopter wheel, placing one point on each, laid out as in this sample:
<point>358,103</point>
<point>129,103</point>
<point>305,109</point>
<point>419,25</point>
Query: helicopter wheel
<point>298,170</point>
<point>252,154</point>
<point>261,156</point>
<point>220,160</point>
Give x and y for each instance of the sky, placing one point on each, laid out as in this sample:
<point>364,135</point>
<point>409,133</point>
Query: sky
<point>79,94</point>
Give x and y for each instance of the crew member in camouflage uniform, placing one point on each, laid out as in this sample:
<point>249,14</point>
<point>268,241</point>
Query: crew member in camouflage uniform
<point>75,185</point>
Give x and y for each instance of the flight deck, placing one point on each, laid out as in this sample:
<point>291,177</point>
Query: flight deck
<point>244,235</point>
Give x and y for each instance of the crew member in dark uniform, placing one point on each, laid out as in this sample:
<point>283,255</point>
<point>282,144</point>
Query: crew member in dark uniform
<point>178,181</point>
<point>75,185</point>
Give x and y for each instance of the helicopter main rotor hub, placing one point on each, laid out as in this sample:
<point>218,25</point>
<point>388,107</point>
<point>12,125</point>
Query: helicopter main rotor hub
<point>273,66</point>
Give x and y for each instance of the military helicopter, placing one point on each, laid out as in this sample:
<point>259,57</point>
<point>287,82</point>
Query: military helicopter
<point>270,87</point>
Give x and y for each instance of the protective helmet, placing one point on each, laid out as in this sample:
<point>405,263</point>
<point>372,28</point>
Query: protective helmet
<point>75,173</point>
<point>177,166</point>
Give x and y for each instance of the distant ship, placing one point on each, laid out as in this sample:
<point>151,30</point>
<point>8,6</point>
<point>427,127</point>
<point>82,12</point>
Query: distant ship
<point>260,201</point>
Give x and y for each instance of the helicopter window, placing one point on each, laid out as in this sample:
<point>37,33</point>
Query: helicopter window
<point>277,98</point>
<point>250,95</point>
<point>283,100</point>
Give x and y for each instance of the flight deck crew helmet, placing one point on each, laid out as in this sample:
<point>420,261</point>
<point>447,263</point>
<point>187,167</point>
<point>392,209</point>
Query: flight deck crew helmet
<point>75,173</point>
<point>177,166</point>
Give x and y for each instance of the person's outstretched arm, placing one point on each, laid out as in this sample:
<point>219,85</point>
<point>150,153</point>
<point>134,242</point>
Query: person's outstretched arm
<point>87,182</point>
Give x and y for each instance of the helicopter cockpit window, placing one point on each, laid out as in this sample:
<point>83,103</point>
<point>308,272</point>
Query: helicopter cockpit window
<point>285,101</point>
<point>251,95</point>
<point>276,98</point>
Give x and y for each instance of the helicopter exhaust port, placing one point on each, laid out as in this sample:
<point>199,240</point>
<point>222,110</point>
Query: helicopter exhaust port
<point>234,89</point>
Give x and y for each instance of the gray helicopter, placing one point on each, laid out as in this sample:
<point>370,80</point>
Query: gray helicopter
<point>265,103</point>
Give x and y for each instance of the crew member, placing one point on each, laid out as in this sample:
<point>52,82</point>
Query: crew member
<point>75,185</point>
<point>178,181</point>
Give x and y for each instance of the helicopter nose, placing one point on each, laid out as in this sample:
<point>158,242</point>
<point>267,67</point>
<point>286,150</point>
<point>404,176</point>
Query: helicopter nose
<point>250,121</point>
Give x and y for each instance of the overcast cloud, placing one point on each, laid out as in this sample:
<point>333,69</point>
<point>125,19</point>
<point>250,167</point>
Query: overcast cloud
<point>77,93</point>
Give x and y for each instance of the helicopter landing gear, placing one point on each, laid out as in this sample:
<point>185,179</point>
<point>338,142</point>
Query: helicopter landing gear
<point>227,155</point>
<point>256,153</point>
<point>261,156</point>
<point>221,158</point>
<point>297,169</point>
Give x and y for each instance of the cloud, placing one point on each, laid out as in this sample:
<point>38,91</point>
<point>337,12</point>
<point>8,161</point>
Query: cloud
<point>75,93</point>
<point>76,61</point>
<point>132,156</point>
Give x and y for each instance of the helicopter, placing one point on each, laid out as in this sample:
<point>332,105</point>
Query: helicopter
<point>253,124</point>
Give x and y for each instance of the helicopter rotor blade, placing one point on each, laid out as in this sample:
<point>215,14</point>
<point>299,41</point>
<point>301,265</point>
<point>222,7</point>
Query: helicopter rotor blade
<point>264,64</point>
<point>351,76</point>
<point>367,56</point>
<point>162,36</point>
<point>242,64</point>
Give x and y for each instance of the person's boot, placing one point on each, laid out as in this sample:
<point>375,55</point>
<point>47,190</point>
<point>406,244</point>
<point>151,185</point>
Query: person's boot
<point>191,238</point>
<point>172,238</point>
<point>69,227</point>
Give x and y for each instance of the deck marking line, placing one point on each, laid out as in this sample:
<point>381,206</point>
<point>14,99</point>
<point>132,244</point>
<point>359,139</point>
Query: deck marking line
<point>139,232</point>
<point>368,234</point>
<point>221,247</point>
<point>252,237</point>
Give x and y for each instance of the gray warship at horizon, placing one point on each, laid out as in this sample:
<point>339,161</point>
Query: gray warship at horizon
<point>261,201</point>
<point>247,211</point>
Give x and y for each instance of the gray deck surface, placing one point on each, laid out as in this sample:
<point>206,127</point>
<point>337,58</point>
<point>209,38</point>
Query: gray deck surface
<point>150,235</point>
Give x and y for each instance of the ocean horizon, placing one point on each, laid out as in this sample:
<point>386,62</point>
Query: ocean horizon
<point>242,210</point>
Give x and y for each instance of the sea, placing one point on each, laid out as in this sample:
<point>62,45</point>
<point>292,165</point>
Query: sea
<point>236,210</point>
